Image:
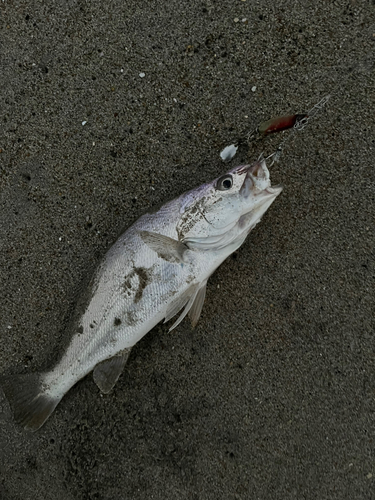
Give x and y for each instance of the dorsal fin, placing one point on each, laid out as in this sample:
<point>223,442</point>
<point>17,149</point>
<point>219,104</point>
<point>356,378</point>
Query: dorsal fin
<point>108,371</point>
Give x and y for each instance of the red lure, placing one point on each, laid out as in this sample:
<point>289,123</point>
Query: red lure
<point>279,123</point>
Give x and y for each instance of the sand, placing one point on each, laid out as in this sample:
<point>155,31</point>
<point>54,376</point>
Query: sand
<point>108,108</point>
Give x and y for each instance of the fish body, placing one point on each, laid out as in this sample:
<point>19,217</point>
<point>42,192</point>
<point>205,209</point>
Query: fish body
<point>156,269</point>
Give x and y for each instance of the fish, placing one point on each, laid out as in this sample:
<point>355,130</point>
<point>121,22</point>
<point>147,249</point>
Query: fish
<point>157,268</point>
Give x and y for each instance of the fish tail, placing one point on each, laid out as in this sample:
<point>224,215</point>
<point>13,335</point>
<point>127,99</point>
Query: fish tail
<point>30,402</point>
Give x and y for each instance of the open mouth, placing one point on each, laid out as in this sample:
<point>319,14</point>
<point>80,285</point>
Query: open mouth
<point>257,180</point>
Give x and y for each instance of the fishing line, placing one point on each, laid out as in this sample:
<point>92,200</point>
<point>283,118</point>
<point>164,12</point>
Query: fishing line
<point>296,122</point>
<point>301,123</point>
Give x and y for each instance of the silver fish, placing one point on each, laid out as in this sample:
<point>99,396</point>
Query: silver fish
<point>157,268</point>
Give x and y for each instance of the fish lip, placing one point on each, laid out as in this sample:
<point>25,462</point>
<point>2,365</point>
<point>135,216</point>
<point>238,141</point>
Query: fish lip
<point>276,190</point>
<point>253,167</point>
<point>264,194</point>
<point>242,169</point>
<point>267,194</point>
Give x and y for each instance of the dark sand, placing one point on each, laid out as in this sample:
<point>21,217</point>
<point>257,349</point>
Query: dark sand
<point>272,395</point>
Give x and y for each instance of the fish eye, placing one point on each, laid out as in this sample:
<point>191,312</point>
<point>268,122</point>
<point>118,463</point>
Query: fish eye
<point>224,183</point>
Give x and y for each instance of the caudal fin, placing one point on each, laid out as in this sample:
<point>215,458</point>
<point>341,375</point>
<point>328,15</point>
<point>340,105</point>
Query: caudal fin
<point>26,395</point>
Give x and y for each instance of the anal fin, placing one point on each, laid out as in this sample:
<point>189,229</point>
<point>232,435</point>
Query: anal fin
<point>108,371</point>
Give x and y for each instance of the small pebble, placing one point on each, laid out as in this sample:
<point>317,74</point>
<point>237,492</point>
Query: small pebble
<point>84,122</point>
<point>236,19</point>
<point>253,89</point>
<point>142,75</point>
<point>369,475</point>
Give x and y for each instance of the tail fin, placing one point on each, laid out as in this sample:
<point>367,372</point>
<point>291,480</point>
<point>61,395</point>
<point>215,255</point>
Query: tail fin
<point>26,395</point>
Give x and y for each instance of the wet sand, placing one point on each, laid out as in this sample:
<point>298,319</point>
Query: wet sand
<point>112,107</point>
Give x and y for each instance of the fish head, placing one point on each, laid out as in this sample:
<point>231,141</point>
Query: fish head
<point>234,202</point>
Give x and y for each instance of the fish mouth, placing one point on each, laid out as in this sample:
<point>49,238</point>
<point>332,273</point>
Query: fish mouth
<point>257,181</point>
<point>274,190</point>
<point>258,199</point>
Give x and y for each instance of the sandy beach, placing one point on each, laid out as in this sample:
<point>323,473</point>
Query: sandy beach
<point>109,108</point>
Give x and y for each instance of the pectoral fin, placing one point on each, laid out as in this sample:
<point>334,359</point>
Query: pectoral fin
<point>167,248</point>
<point>107,372</point>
